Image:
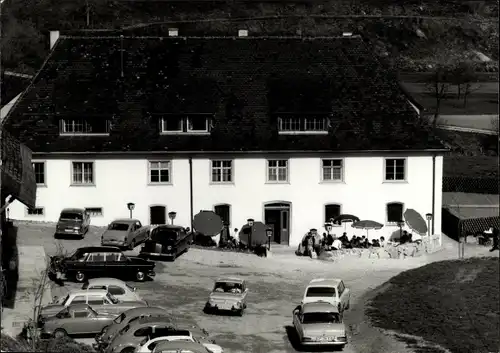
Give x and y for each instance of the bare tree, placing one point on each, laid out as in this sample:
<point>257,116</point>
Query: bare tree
<point>438,85</point>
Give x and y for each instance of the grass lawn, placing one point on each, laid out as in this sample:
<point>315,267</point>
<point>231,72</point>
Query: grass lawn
<point>454,304</point>
<point>477,103</point>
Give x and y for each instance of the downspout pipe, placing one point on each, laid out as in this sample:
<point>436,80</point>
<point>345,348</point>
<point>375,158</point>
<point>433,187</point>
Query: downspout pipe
<point>191,204</point>
<point>433,190</point>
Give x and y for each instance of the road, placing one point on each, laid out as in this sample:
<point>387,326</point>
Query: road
<point>276,285</point>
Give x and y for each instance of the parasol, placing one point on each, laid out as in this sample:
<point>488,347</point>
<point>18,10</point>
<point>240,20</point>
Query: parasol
<point>415,221</point>
<point>345,218</point>
<point>207,223</point>
<point>366,224</point>
<point>257,232</point>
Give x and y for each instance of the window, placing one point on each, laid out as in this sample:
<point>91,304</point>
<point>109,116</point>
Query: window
<point>39,168</point>
<point>331,170</point>
<point>83,173</point>
<point>159,172</point>
<point>331,211</point>
<point>395,169</point>
<point>81,313</point>
<point>277,170</point>
<point>194,123</point>
<point>143,332</point>
<point>79,299</point>
<point>115,290</point>
<point>224,212</point>
<point>37,211</point>
<point>321,292</point>
<point>96,257</point>
<point>303,124</point>
<point>94,211</point>
<point>222,171</point>
<point>85,127</point>
<point>394,212</point>
<point>95,300</point>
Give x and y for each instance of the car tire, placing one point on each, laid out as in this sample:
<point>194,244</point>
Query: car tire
<point>80,277</point>
<point>140,276</point>
<point>60,333</point>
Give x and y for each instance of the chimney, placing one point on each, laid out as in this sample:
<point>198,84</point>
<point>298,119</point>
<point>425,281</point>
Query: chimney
<point>54,36</point>
<point>242,33</point>
<point>347,34</point>
<point>173,32</point>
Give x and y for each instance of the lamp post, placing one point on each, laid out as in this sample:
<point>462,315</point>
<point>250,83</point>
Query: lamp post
<point>172,216</point>
<point>250,223</point>
<point>131,207</point>
<point>400,225</point>
<point>269,233</point>
<point>428,216</point>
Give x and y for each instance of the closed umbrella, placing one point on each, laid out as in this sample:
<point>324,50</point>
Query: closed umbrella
<point>257,232</point>
<point>415,221</point>
<point>345,218</point>
<point>207,223</point>
<point>366,224</point>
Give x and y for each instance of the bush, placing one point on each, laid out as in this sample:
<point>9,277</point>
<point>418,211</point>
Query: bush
<point>63,345</point>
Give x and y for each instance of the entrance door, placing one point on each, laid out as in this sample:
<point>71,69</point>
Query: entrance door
<point>277,216</point>
<point>157,215</point>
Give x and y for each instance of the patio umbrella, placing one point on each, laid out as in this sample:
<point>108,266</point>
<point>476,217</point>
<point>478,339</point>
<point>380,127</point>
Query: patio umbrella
<point>366,224</point>
<point>257,232</point>
<point>345,218</point>
<point>207,223</point>
<point>415,221</point>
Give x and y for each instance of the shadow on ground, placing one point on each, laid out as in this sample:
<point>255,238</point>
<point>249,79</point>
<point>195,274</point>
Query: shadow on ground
<point>10,263</point>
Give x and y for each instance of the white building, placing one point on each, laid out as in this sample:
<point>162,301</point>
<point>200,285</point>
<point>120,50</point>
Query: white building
<point>291,152</point>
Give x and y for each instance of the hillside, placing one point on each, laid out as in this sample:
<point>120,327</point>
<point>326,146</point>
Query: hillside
<point>414,35</point>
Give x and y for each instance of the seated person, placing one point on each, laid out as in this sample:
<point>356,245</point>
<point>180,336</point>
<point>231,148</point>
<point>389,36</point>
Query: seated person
<point>404,237</point>
<point>375,243</point>
<point>382,242</point>
<point>355,241</point>
<point>337,244</point>
<point>235,289</point>
<point>219,289</point>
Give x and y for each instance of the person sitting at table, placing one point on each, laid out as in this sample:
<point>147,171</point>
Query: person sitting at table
<point>375,243</point>
<point>354,241</point>
<point>382,242</point>
<point>337,244</point>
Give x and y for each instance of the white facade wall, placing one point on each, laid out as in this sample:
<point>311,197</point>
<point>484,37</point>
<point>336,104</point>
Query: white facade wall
<point>362,193</point>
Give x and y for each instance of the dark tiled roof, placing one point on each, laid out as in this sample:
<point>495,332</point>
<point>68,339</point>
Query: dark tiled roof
<point>241,81</point>
<point>478,174</point>
<point>11,86</point>
<point>471,185</point>
<point>475,225</point>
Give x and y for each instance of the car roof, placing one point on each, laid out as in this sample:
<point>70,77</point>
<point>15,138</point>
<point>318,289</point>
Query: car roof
<point>167,319</point>
<point>230,279</point>
<point>174,345</point>
<point>78,306</point>
<point>105,281</point>
<point>125,220</point>
<point>146,310</point>
<point>85,291</point>
<point>319,307</point>
<point>99,249</point>
<point>327,282</point>
<point>73,210</point>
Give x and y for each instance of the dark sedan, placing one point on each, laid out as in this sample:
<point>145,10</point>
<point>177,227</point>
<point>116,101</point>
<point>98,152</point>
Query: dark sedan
<point>166,241</point>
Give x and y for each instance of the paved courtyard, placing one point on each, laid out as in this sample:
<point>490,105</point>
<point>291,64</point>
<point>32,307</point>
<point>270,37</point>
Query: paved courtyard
<point>276,285</point>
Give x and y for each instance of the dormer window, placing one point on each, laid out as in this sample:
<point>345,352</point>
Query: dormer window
<point>81,126</point>
<point>302,125</point>
<point>185,124</point>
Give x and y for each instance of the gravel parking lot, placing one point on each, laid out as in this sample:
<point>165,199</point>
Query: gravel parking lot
<point>276,285</point>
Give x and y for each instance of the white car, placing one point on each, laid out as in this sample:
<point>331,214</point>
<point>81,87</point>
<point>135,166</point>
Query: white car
<point>149,344</point>
<point>115,287</point>
<point>329,290</point>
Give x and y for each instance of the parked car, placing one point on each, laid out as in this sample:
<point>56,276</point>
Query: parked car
<point>180,347</point>
<point>100,300</point>
<point>229,294</point>
<point>76,319</point>
<point>129,316</point>
<point>319,324</point>
<point>73,222</point>
<point>149,343</point>
<point>125,233</point>
<point>116,287</point>
<point>331,290</point>
<point>96,261</point>
<point>131,335</point>
<point>166,241</point>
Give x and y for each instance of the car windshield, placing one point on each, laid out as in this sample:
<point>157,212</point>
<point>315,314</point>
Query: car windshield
<point>119,318</point>
<point>228,287</point>
<point>71,216</point>
<point>122,227</point>
<point>163,235</point>
<point>319,318</point>
<point>112,298</point>
<point>320,292</point>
